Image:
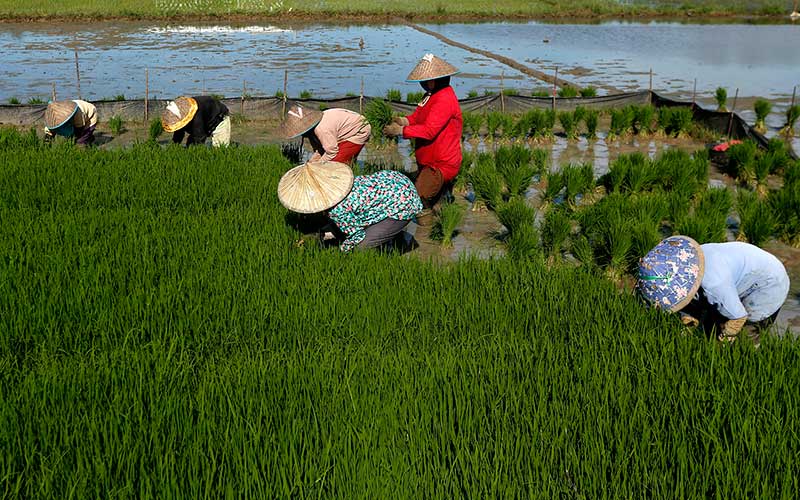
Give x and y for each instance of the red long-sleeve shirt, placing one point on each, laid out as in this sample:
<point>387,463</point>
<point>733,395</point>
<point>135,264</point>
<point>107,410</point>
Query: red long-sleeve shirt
<point>436,125</point>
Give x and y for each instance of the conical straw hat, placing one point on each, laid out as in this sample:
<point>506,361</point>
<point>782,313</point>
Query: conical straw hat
<point>314,187</point>
<point>671,273</point>
<point>298,121</point>
<point>431,67</point>
<point>58,113</point>
<point>178,113</point>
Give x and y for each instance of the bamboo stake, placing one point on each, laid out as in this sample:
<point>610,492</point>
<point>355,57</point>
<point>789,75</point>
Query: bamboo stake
<point>650,88</point>
<point>77,73</point>
<point>502,88</point>
<point>54,92</point>
<point>730,119</point>
<point>244,91</point>
<point>361,98</point>
<point>285,86</point>
<point>694,92</point>
<point>794,93</point>
<point>555,86</point>
<point>146,95</point>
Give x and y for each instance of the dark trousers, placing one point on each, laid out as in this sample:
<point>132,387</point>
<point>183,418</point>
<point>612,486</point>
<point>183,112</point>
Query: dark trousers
<point>85,135</point>
<point>381,233</point>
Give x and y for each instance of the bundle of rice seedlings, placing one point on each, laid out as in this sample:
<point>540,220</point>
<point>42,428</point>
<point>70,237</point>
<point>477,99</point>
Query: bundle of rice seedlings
<point>678,204</point>
<point>35,101</point>
<point>116,125</point>
<point>494,122</point>
<point>740,158</point>
<point>293,151</point>
<point>155,129</point>
<point>549,122</point>
<point>618,242</point>
<point>791,174</point>
<point>540,93</point>
<point>555,231</point>
<point>414,97</point>
<point>785,205</point>
<point>592,118</point>
<point>554,185</point>
<point>716,202</point>
<point>588,92</point>
<point>640,173</point>
<point>540,159</point>
<point>620,123</point>
<point>567,119</point>
<point>643,119</point>
<point>449,218</point>
<point>472,94</point>
<point>515,165</point>
<point>394,95</point>
<point>523,243</point>
<point>701,228</point>
<point>645,234</point>
<point>510,92</point>
<point>762,107</point>
<point>614,180</point>
<point>305,94</point>
<point>578,179</point>
<point>534,123</point>
<point>567,91</point>
<point>379,114</point>
<point>792,114</point>
<point>485,180</point>
<point>507,129</point>
<point>781,159</point>
<point>472,123</point>
<point>582,250</point>
<point>721,97</point>
<point>761,170</point>
<point>680,124</point>
<point>757,222</point>
<point>580,114</point>
<point>515,214</point>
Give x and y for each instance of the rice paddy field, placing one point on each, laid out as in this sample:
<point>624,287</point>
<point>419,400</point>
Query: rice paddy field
<point>163,335</point>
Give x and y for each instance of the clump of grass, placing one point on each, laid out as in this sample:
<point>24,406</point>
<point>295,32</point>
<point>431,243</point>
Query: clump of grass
<point>445,227</point>
<point>582,250</point>
<point>279,94</point>
<point>116,125</point>
<point>119,97</point>
<point>472,94</point>
<point>567,91</point>
<point>757,222</point>
<point>567,120</point>
<point>306,94</point>
<point>762,108</point>
<point>540,93</point>
<point>485,180</point>
<point>394,95</point>
<point>34,101</point>
<point>472,123</point>
<point>488,93</point>
<point>155,130</point>
<point>555,231</point>
<point>589,91</point>
<point>414,97</point>
<point>591,119</point>
<point>510,92</point>
<point>13,100</point>
<point>379,114</point>
<point>792,114</point>
<point>721,96</point>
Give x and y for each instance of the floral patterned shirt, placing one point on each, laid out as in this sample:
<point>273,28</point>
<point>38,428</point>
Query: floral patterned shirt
<point>374,198</point>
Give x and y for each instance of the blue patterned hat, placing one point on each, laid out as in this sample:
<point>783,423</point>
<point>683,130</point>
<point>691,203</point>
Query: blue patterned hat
<point>670,274</point>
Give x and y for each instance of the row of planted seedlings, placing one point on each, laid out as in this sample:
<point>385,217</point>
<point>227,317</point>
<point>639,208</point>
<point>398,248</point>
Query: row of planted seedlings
<point>611,221</point>
<point>541,124</point>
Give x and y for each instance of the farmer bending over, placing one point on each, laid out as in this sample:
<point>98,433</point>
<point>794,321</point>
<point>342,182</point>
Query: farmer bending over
<point>200,117</point>
<point>436,125</point>
<point>75,118</point>
<point>719,284</point>
<point>335,134</point>
<point>369,210</point>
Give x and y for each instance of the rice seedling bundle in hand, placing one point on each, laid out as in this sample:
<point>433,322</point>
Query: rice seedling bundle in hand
<point>721,96</point>
<point>757,222</point>
<point>762,108</point>
<point>379,114</point>
<point>449,218</point>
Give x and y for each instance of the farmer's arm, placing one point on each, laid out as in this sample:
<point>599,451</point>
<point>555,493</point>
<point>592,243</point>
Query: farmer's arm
<point>436,121</point>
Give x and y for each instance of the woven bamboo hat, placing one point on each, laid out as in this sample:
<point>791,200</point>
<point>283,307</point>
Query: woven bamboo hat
<point>670,274</point>
<point>431,67</point>
<point>59,113</point>
<point>178,113</point>
<point>314,187</point>
<point>298,121</point>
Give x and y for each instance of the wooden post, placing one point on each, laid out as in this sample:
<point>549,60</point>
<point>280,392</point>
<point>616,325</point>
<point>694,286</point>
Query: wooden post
<point>146,95</point>
<point>361,98</point>
<point>244,91</point>
<point>285,86</point>
<point>77,74</point>
<point>54,92</point>
<point>555,88</point>
<point>730,119</point>
<point>794,93</point>
<point>203,90</point>
<point>694,92</point>
<point>650,88</point>
<point>502,88</point>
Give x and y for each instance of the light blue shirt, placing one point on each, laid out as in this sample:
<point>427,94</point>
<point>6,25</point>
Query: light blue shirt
<point>742,280</point>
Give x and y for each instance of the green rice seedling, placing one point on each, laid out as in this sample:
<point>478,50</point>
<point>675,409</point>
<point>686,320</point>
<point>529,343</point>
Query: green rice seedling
<point>643,119</point>
<point>507,126</point>
<point>567,91</point>
<point>447,223</point>
<point>792,114</point>
<point>620,123</point>
<point>553,187</point>
<point>785,206</point>
<point>708,222</point>
<point>279,94</point>
<point>473,123</point>
<point>515,214</point>
<point>716,202</point>
<point>592,118</point>
<point>567,119</point>
<point>293,151</point>
<point>618,240</point>
<point>589,91</point>
<point>681,122</point>
<point>510,92</point>
<point>462,179</point>
<point>116,125</point>
<point>322,106</point>
<point>781,159</point>
<point>488,93</point>
<point>541,93</point>
<point>791,174</point>
<point>721,96</point>
<point>306,94</point>
<point>762,166</point>
<point>582,250</point>
<point>580,115</point>
<point>238,119</point>
<point>218,97</point>
<point>516,166</point>
<point>13,100</point>
<point>639,173</point>
<point>762,108</point>
<point>414,97</point>
<point>741,158</point>
<point>523,243</point>
<point>486,181</point>
<point>33,101</point>
<point>578,180</point>
<point>549,122</point>
<point>394,95</point>
<point>757,223</point>
<point>379,114</point>
<point>617,174</point>
<point>536,123</point>
<point>555,231</point>
<point>119,97</point>
<point>540,159</point>
<point>494,123</point>
<point>678,205</point>
<point>472,94</point>
<point>155,130</point>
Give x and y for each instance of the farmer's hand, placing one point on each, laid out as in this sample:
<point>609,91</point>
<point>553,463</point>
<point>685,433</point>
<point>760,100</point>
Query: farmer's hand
<point>731,328</point>
<point>400,120</point>
<point>689,320</point>
<point>393,130</point>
